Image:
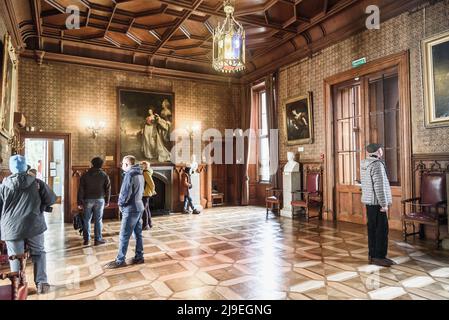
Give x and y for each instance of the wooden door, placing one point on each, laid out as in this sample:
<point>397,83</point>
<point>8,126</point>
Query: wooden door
<point>367,110</point>
<point>348,142</point>
<point>384,126</point>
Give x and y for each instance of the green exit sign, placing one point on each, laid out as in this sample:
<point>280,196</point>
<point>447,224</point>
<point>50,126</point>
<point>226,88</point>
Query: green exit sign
<point>358,62</point>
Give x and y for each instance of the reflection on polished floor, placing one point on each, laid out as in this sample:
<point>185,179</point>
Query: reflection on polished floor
<point>235,253</point>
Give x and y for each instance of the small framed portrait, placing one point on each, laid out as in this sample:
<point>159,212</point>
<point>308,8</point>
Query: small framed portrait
<point>298,114</point>
<point>436,80</point>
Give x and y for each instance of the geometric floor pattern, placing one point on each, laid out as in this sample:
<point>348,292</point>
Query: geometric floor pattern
<point>235,253</point>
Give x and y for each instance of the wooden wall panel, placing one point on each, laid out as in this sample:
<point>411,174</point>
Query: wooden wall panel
<point>114,174</point>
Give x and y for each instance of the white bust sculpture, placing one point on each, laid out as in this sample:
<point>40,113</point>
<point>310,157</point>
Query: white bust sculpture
<point>292,165</point>
<point>193,165</point>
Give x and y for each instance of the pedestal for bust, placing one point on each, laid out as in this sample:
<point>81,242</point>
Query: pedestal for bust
<point>195,192</point>
<point>291,182</point>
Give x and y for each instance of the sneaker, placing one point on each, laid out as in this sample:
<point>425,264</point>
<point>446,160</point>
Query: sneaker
<point>196,212</point>
<point>185,212</point>
<point>115,265</point>
<point>146,228</point>
<point>43,288</point>
<point>86,243</point>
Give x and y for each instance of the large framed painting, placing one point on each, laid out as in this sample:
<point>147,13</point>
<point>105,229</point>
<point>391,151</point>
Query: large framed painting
<point>299,120</point>
<point>436,80</point>
<point>9,88</point>
<point>146,122</point>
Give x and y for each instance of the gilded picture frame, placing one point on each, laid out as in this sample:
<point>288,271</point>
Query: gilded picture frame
<point>435,52</point>
<point>298,120</point>
<point>149,141</point>
<point>9,88</point>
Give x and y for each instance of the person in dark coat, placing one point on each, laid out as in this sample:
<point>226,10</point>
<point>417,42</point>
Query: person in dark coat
<point>22,198</point>
<point>186,186</point>
<point>94,194</point>
<point>131,205</point>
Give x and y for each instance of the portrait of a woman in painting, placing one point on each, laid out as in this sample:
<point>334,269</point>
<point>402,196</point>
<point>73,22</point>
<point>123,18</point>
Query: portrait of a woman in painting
<point>155,137</point>
<point>146,122</point>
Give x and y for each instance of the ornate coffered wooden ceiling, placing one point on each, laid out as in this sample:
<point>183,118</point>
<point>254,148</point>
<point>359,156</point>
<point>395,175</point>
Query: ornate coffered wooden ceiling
<point>176,34</point>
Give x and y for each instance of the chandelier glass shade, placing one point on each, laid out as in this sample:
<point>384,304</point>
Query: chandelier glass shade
<point>229,43</point>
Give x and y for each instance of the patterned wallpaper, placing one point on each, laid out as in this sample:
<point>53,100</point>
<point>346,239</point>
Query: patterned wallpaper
<point>63,97</point>
<point>400,33</point>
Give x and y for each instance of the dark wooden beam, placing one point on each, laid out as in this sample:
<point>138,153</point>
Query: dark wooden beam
<point>36,8</point>
<point>213,12</point>
<point>100,43</point>
<point>313,22</point>
<point>325,6</point>
<point>184,17</point>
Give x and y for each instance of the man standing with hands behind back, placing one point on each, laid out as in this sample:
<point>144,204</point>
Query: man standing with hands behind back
<point>376,195</point>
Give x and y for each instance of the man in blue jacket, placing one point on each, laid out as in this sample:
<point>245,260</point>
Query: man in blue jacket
<point>131,205</point>
<point>22,201</point>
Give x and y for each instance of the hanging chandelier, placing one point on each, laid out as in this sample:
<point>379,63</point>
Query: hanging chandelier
<point>229,43</point>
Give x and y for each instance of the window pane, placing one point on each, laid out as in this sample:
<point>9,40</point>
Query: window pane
<point>263,113</point>
<point>348,138</point>
<point>264,159</point>
<point>384,122</point>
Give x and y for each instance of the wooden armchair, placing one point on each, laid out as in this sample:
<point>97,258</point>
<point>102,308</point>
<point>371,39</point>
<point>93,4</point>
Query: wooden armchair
<point>3,253</point>
<point>18,289</point>
<point>312,196</point>
<point>429,208</point>
<point>273,197</point>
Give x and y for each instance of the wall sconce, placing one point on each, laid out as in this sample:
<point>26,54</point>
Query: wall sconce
<point>16,145</point>
<point>193,128</point>
<point>96,128</point>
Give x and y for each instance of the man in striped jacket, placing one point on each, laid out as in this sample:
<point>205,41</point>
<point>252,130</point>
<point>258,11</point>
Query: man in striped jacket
<point>376,195</point>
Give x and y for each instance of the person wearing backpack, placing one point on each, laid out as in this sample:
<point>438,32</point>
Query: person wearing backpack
<point>376,195</point>
<point>148,192</point>
<point>22,199</point>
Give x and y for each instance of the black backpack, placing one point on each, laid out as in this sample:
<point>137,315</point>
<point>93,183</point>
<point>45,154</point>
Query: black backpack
<point>78,223</point>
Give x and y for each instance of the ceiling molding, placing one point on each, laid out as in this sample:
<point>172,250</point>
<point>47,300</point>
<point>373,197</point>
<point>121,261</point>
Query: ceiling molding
<point>150,70</point>
<point>9,17</point>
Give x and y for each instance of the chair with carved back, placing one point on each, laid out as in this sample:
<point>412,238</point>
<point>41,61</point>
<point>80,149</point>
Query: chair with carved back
<point>312,195</point>
<point>273,198</point>
<point>3,253</point>
<point>18,288</point>
<point>431,205</point>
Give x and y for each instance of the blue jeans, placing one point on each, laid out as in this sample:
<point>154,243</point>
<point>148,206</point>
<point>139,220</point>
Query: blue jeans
<point>131,224</point>
<point>93,207</point>
<point>37,251</point>
<point>188,203</point>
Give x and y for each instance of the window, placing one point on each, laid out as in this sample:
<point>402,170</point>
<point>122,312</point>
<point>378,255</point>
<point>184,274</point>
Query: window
<point>348,138</point>
<point>359,122</point>
<point>264,142</point>
<point>384,121</point>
